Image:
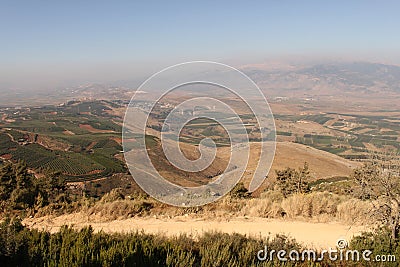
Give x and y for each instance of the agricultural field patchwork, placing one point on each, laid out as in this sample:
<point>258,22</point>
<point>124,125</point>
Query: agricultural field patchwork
<point>81,140</point>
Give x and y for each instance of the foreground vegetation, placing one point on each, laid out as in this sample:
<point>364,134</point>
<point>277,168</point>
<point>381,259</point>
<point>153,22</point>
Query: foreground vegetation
<point>69,247</point>
<point>23,247</point>
<point>23,194</point>
<point>373,197</point>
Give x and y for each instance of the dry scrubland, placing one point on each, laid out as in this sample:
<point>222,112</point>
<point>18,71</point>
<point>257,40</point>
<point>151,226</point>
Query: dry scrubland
<point>313,207</point>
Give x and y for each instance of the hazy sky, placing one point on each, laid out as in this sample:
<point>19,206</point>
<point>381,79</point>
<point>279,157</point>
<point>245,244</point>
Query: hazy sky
<point>51,43</point>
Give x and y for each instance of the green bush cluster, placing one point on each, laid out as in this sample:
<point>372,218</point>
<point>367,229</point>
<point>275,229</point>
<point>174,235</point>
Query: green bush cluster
<point>240,191</point>
<point>380,242</point>
<point>68,247</point>
<point>20,190</point>
<point>21,246</point>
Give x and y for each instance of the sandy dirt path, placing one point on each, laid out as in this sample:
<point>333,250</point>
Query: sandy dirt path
<point>316,235</point>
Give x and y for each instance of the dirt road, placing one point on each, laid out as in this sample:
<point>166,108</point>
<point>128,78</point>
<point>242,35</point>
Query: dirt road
<point>316,235</point>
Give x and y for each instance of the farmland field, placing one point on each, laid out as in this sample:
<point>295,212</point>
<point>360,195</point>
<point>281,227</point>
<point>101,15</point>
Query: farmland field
<point>51,138</point>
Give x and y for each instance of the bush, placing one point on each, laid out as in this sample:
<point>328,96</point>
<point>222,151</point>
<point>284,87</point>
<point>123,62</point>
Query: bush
<point>120,209</point>
<point>113,195</point>
<point>23,247</point>
<point>239,191</point>
<point>380,242</point>
<point>17,187</point>
<point>20,190</point>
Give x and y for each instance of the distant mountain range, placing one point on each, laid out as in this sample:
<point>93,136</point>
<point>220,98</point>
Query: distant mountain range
<point>319,79</point>
<point>360,77</point>
<point>327,79</point>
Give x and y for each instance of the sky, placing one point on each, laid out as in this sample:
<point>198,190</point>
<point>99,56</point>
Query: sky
<point>48,44</point>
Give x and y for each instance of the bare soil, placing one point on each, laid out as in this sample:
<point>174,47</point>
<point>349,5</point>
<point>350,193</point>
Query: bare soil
<point>310,234</point>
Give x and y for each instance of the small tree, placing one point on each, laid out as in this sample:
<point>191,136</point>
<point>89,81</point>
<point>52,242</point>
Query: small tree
<point>51,188</point>
<point>379,182</point>
<point>7,181</point>
<point>24,194</point>
<point>366,179</point>
<point>291,181</point>
<point>303,178</point>
<point>19,189</point>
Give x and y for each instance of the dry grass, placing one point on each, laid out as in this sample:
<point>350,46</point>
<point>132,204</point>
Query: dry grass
<point>120,209</point>
<point>319,206</point>
<point>114,205</point>
<point>355,211</point>
<point>313,207</point>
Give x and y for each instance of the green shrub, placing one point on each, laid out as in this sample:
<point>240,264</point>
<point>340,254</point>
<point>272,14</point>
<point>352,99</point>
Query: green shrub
<point>68,247</point>
<point>240,191</point>
<point>380,242</point>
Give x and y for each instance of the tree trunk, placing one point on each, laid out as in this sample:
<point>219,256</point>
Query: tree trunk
<point>396,218</point>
